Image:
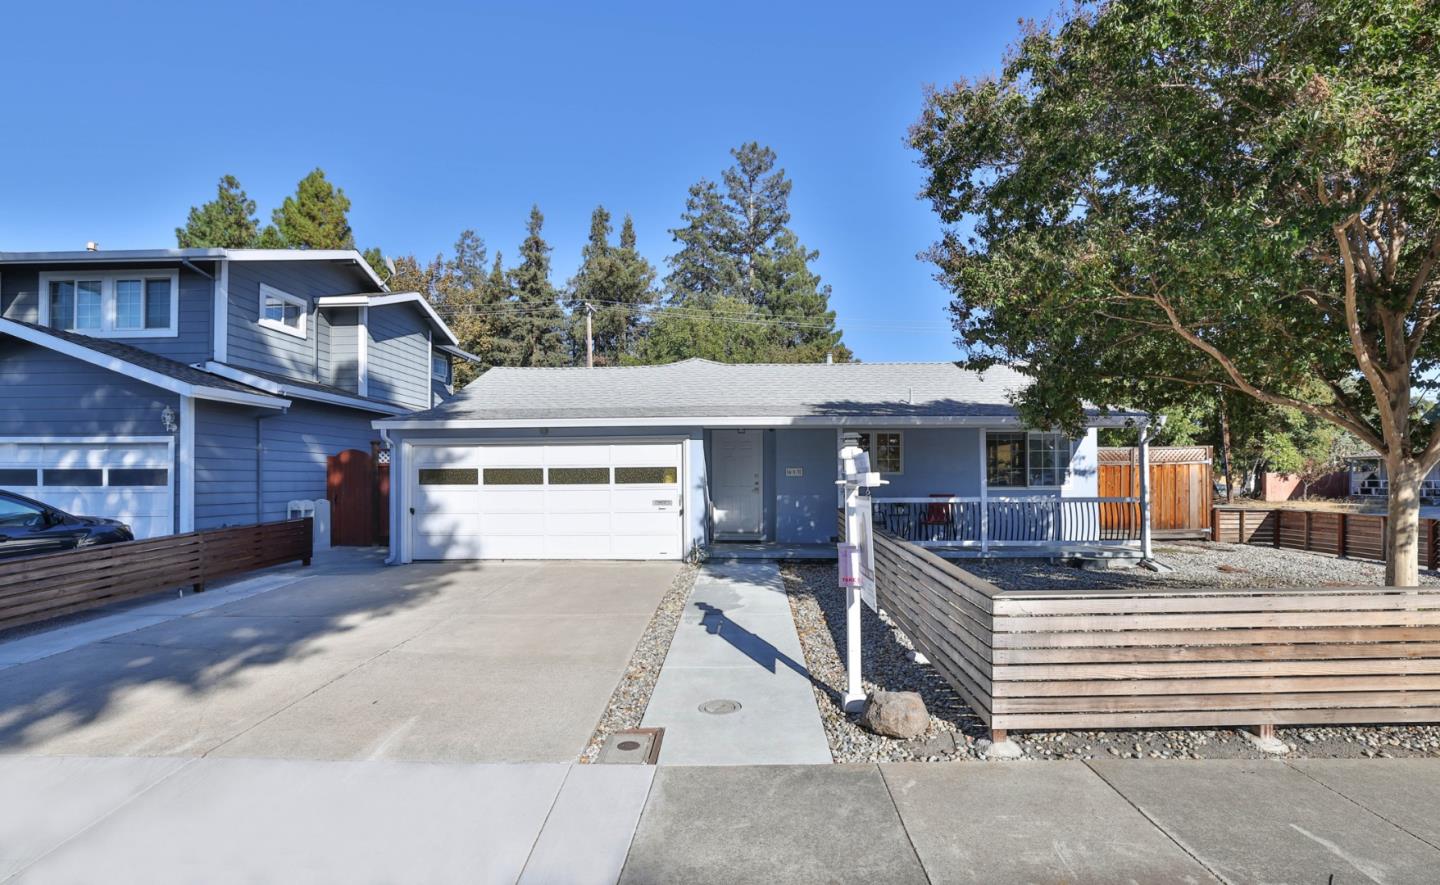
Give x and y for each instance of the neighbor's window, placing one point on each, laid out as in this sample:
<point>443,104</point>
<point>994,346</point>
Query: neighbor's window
<point>449,476</point>
<point>1019,460</point>
<point>440,368</point>
<point>120,304</point>
<point>282,311</point>
<point>644,475</point>
<point>885,448</point>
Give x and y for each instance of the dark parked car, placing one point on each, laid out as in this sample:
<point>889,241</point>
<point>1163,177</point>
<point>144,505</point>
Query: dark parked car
<point>29,527</point>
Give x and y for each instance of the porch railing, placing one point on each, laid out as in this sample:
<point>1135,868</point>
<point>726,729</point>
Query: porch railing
<point>1010,521</point>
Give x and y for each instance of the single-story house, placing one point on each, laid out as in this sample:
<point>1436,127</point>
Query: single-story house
<point>1369,480</point>
<point>663,462</point>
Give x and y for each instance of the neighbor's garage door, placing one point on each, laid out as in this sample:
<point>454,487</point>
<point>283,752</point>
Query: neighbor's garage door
<point>614,501</point>
<point>130,482</point>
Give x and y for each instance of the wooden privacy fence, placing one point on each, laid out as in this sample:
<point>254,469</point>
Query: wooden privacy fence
<point>1355,535</point>
<point>1061,659</point>
<point>34,588</point>
<point>1181,489</point>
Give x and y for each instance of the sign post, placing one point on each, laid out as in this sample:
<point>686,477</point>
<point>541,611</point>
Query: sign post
<point>856,560</point>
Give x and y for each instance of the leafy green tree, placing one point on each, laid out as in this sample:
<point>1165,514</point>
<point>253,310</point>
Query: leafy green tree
<point>316,217</point>
<point>1171,194</point>
<point>618,284</point>
<point>226,222</point>
<point>459,289</point>
<point>736,249</point>
<point>534,330</point>
<point>726,332</point>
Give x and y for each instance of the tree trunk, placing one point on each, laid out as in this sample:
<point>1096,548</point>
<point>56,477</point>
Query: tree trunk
<point>1225,452</point>
<point>1402,528</point>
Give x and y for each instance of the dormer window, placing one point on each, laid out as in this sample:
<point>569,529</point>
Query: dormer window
<point>113,304</point>
<point>282,311</point>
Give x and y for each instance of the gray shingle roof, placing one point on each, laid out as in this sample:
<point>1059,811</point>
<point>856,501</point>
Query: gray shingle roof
<point>145,360</point>
<point>699,388</point>
<point>294,384</point>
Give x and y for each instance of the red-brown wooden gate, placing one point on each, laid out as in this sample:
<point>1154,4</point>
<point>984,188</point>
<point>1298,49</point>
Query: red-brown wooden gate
<point>350,487</point>
<point>1180,486</point>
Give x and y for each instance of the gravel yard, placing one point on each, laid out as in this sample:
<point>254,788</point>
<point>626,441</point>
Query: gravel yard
<point>632,695</point>
<point>818,605</point>
<point>1196,564</point>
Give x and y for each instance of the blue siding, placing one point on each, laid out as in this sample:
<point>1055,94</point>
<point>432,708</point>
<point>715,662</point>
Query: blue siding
<point>251,345</point>
<point>805,505</point>
<point>936,461</point>
<point>296,445</point>
<point>398,356</point>
<point>19,296</point>
<point>47,394</point>
<point>225,459</point>
<point>344,362</point>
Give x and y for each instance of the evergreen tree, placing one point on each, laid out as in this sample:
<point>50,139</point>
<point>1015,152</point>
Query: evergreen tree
<point>535,333</point>
<point>737,251</point>
<point>316,217</point>
<point>617,283</point>
<point>226,222</point>
<point>376,259</point>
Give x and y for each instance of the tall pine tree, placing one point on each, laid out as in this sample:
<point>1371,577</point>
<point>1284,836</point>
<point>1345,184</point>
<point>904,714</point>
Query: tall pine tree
<point>226,222</point>
<point>617,283</point>
<point>534,333</point>
<point>740,285</point>
<point>316,217</point>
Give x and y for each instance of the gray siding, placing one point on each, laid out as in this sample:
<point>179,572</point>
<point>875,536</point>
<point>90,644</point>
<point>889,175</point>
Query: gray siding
<point>251,345</point>
<point>296,445</point>
<point>398,356</point>
<point>20,300</point>
<point>47,394</point>
<point>344,359</point>
<point>225,459</point>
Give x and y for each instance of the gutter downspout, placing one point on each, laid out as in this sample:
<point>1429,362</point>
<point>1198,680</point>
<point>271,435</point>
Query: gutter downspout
<point>396,526</point>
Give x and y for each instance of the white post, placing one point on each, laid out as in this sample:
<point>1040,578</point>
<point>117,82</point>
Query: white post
<point>855,468</point>
<point>854,692</point>
<point>984,498</point>
<point>1146,550</point>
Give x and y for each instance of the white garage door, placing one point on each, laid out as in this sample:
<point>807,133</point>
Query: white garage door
<point>131,482</point>
<point>607,501</point>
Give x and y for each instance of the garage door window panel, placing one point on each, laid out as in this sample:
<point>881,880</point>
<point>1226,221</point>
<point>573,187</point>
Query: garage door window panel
<point>514,476</point>
<point>579,476</point>
<point>82,478</point>
<point>18,478</point>
<point>645,475</point>
<point>449,476</point>
<point>132,477</point>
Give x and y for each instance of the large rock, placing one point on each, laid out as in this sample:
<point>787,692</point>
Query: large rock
<point>897,714</point>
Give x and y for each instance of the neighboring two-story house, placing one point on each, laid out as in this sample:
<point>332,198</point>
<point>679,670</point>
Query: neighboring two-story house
<point>180,389</point>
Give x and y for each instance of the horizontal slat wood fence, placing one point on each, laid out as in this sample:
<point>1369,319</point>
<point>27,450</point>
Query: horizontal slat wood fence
<point>1355,535</point>
<point>35,588</point>
<point>1051,660</point>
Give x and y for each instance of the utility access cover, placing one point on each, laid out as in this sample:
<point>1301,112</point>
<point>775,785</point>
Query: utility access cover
<point>720,707</point>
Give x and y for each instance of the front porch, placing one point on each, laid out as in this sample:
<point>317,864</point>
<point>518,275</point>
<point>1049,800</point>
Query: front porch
<point>963,491</point>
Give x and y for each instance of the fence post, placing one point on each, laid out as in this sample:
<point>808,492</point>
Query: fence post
<point>1340,536</point>
<point>1309,524</point>
<point>1275,525</point>
<point>1430,545</point>
<point>1240,536</point>
<point>200,543</point>
<point>1215,524</point>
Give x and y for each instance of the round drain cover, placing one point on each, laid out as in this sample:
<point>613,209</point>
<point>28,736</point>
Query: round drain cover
<point>719,707</point>
<point>628,745</point>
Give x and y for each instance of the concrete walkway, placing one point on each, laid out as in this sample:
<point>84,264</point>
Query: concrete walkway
<point>160,821</point>
<point>737,642</point>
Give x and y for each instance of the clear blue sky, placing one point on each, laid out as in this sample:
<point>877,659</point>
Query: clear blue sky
<point>436,117</point>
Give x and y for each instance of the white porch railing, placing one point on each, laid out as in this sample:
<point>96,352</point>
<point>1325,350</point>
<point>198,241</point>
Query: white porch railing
<point>1033,521</point>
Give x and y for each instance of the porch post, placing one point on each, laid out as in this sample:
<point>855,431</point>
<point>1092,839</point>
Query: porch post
<point>1146,550</point>
<point>984,499</point>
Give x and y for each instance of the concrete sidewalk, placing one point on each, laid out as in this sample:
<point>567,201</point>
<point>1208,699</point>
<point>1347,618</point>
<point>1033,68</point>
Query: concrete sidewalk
<point>737,642</point>
<point>72,819</point>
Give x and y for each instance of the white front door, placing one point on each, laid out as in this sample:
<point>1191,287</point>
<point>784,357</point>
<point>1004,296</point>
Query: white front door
<point>738,460</point>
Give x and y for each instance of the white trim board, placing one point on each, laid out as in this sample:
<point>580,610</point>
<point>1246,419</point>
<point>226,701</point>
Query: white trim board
<point>295,391</point>
<point>302,331</point>
<point>879,422</point>
<point>107,279</point>
<point>139,373</point>
<point>389,299</point>
<point>220,314</point>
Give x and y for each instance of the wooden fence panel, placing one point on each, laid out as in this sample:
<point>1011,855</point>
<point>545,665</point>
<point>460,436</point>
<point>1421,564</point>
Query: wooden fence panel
<point>1165,658</point>
<point>36,588</point>
<point>1356,535</point>
<point>1181,493</point>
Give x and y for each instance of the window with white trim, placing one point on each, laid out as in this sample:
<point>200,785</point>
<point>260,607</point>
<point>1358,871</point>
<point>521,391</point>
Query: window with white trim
<point>886,448</point>
<point>439,368</point>
<point>282,311</point>
<point>112,304</point>
<point>1026,460</point>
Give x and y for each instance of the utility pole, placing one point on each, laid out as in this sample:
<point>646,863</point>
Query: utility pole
<point>589,336</point>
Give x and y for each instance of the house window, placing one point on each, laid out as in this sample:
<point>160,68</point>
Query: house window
<point>282,311</point>
<point>440,368</point>
<point>885,449</point>
<point>118,304</point>
<point>1020,460</point>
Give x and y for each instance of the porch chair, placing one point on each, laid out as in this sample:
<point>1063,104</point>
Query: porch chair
<point>937,523</point>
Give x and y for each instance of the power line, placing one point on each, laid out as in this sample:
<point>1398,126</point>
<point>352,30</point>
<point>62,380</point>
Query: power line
<point>812,322</point>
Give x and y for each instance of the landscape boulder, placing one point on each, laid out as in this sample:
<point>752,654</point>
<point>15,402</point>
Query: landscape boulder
<point>897,714</point>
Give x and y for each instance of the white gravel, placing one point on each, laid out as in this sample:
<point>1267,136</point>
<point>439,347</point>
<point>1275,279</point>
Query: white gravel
<point>818,605</point>
<point>632,695</point>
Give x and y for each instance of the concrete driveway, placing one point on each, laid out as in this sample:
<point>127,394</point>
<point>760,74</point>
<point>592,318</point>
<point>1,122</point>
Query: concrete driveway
<point>454,662</point>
